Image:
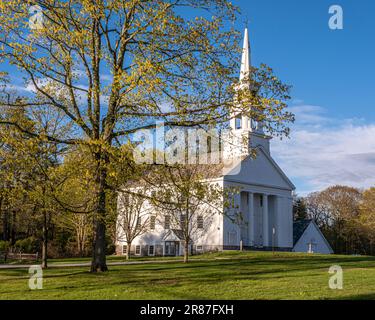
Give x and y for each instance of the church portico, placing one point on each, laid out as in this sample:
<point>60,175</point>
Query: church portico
<point>253,209</point>
<point>264,218</point>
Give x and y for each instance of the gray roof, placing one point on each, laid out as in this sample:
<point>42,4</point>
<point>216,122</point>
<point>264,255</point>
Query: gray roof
<point>299,228</point>
<point>179,234</point>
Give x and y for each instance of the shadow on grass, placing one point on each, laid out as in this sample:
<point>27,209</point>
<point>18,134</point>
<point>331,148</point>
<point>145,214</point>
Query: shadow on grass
<point>165,281</point>
<point>367,296</point>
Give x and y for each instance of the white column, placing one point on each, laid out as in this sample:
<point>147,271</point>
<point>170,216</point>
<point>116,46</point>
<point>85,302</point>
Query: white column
<point>245,216</point>
<point>265,221</point>
<point>251,219</point>
<point>245,122</point>
<point>233,122</point>
<point>277,218</point>
<point>289,221</point>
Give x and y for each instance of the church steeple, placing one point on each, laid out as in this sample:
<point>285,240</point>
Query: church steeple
<point>240,121</point>
<point>246,57</point>
<point>242,127</point>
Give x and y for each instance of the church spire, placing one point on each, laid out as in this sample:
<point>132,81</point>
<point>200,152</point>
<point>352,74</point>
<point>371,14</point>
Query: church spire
<point>241,125</point>
<point>241,121</point>
<point>246,56</point>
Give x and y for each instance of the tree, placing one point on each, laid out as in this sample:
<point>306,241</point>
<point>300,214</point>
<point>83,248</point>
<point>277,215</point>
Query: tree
<point>74,194</point>
<point>160,66</point>
<point>299,209</point>
<point>184,196</point>
<point>317,210</point>
<point>336,210</point>
<point>16,156</point>
<point>367,216</point>
<point>367,208</point>
<point>27,162</point>
<point>134,217</point>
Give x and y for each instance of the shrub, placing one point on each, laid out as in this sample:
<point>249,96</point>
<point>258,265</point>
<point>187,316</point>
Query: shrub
<point>4,246</point>
<point>111,249</point>
<point>28,245</point>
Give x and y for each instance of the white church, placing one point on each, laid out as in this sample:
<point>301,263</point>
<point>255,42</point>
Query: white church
<point>265,202</point>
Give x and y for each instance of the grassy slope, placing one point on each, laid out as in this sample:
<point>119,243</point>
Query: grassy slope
<point>229,275</point>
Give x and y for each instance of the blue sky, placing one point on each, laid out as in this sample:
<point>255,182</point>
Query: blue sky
<point>332,73</point>
<point>329,68</point>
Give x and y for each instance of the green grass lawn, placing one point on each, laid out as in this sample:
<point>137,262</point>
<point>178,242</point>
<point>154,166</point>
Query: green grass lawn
<point>113,258</point>
<point>229,275</point>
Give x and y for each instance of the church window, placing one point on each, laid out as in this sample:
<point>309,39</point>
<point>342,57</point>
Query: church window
<point>238,123</point>
<point>138,250</point>
<point>253,124</point>
<point>261,201</point>
<point>167,222</point>
<point>152,222</point>
<point>139,223</point>
<point>151,250</point>
<point>124,249</point>
<point>200,222</point>
<point>182,220</point>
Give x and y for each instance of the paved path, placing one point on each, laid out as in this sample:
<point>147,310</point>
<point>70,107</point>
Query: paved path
<point>88,264</point>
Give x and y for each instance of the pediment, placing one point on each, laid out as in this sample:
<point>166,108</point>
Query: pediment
<point>262,170</point>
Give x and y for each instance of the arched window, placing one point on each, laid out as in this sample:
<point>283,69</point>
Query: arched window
<point>238,122</point>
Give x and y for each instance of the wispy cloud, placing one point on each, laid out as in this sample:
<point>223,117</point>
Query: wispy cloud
<point>324,151</point>
<point>29,90</point>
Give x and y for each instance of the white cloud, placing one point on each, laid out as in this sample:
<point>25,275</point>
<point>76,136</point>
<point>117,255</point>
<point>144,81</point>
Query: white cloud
<point>81,96</point>
<point>29,88</point>
<point>323,151</point>
<point>106,77</point>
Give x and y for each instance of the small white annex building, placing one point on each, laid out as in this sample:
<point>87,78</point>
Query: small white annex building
<point>307,237</point>
<point>265,201</point>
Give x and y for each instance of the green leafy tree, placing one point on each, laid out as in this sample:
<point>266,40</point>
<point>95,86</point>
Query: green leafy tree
<point>110,66</point>
<point>27,162</point>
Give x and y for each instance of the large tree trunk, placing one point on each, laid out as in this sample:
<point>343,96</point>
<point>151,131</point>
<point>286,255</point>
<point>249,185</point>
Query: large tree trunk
<point>45,242</point>
<point>186,251</point>
<point>98,263</point>
<point>81,249</point>
<point>81,234</point>
<point>12,233</point>
<point>129,245</point>
<point>5,222</point>
<point>5,227</point>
